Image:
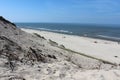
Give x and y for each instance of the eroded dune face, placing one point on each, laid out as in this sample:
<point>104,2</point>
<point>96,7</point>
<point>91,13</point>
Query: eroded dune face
<point>16,45</point>
<point>26,56</point>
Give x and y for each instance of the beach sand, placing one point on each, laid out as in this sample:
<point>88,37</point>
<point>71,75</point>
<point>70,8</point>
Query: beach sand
<point>101,49</point>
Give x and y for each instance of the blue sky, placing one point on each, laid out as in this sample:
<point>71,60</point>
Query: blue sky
<point>62,11</point>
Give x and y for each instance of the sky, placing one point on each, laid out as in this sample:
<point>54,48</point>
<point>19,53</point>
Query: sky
<point>62,11</point>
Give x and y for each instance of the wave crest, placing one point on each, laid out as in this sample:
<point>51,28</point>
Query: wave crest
<point>62,31</point>
<point>109,37</point>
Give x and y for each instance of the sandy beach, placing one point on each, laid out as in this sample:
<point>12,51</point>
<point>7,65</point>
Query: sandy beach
<point>101,49</point>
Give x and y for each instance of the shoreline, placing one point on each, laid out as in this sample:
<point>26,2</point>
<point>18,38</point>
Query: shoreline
<point>98,48</point>
<point>101,37</point>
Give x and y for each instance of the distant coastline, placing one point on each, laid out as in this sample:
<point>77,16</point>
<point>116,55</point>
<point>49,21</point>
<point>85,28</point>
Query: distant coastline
<point>92,31</point>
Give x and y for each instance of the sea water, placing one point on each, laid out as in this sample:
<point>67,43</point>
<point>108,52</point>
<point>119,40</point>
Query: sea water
<point>109,32</point>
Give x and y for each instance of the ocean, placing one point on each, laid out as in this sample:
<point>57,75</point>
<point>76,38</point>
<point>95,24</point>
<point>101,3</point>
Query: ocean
<point>108,32</point>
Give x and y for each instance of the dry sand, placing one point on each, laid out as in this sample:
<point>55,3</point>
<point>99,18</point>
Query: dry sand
<point>102,49</point>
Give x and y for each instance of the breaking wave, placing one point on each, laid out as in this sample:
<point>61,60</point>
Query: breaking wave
<point>109,37</point>
<point>61,31</point>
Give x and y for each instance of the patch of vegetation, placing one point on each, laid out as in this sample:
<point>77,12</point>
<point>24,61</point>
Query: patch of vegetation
<point>62,46</point>
<point>39,36</point>
<point>53,43</point>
